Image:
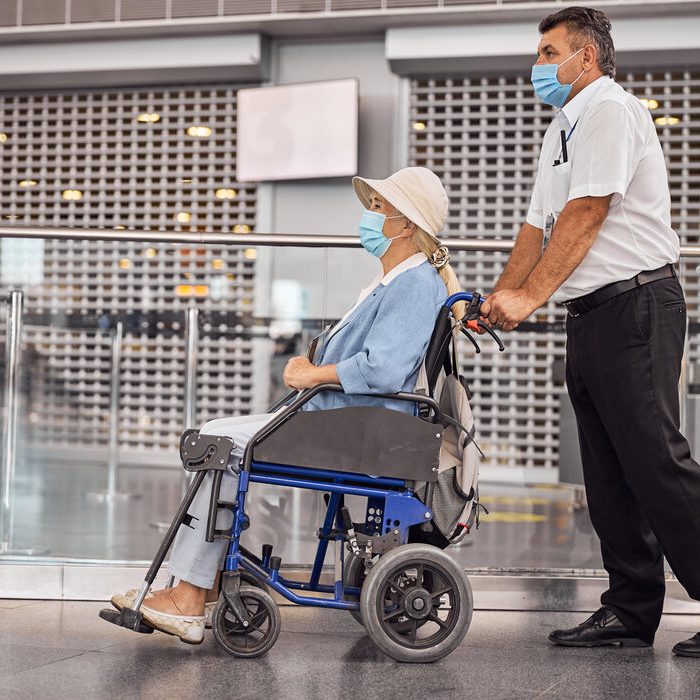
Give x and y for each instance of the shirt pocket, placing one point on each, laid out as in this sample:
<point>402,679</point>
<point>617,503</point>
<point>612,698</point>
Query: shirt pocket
<point>560,186</point>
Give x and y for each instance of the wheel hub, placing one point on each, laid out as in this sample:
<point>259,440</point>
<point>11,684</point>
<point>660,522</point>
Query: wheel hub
<point>418,604</point>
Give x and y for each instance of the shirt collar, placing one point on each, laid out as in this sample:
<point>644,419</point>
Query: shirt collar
<point>572,111</point>
<point>414,261</point>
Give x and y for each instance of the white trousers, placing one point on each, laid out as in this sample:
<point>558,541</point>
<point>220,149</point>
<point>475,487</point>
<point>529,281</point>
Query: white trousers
<point>193,559</point>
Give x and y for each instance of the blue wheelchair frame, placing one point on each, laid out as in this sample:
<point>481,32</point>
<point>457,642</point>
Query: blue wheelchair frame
<point>399,507</point>
<point>400,510</point>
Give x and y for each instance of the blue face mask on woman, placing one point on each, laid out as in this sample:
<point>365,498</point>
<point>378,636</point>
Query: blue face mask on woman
<point>546,83</point>
<point>371,232</point>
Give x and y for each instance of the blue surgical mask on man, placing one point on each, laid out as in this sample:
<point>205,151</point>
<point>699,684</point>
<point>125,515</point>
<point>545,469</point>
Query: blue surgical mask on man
<point>371,232</point>
<point>546,83</point>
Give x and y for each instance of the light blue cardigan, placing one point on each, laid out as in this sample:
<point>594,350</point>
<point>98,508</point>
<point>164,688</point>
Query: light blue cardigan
<point>380,346</point>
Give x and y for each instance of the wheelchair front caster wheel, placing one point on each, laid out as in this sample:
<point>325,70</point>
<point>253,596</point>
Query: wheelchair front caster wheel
<point>259,635</point>
<point>423,588</point>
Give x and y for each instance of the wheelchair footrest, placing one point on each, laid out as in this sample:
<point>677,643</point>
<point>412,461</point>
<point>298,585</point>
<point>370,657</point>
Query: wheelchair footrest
<point>128,618</point>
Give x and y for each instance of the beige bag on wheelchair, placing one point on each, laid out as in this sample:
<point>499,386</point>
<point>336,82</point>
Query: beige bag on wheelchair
<point>456,494</point>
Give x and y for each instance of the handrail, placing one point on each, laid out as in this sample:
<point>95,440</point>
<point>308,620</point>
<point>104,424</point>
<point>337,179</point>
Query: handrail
<point>249,239</point>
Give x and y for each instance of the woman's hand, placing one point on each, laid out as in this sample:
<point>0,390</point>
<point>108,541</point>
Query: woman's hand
<point>301,374</point>
<point>298,373</point>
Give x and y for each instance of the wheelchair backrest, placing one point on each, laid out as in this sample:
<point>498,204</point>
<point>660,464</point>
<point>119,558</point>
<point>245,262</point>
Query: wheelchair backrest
<point>437,355</point>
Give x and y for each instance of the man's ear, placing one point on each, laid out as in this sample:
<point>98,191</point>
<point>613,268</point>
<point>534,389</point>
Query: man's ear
<point>590,56</point>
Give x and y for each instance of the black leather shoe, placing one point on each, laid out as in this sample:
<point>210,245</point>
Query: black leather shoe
<point>600,629</point>
<point>690,647</point>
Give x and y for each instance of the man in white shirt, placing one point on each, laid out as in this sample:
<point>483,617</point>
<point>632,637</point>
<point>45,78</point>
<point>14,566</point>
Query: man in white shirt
<point>598,239</point>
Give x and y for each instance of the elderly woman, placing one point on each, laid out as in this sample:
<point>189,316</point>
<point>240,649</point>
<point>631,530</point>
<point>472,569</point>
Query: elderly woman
<point>377,347</point>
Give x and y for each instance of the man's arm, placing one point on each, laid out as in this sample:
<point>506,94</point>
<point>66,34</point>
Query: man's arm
<point>572,238</point>
<point>525,255</point>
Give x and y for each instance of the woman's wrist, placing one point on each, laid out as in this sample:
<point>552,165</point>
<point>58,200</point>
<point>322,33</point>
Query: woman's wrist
<point>323,374</point>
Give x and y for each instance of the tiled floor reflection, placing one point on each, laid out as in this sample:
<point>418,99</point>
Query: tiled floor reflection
<point>528,527</point>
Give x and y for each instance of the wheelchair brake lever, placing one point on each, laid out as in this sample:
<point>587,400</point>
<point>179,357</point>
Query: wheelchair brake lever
<point>350,530</point>
<point>472,340</point>
<point>492,333</point>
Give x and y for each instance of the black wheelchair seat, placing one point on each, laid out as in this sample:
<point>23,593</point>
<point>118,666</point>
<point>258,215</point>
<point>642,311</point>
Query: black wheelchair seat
<point>357,439</point>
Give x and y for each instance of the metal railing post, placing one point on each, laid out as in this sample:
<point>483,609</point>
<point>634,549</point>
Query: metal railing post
<point>13,351</point>
<point>13,341</point>
<point>112,494</point>
<point>191,348</point>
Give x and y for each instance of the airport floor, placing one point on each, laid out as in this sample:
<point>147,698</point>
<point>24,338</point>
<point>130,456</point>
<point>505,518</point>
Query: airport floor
<point>63,650</point>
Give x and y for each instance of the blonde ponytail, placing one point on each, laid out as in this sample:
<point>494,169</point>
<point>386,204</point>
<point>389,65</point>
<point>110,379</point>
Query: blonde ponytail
<point>439,257</point>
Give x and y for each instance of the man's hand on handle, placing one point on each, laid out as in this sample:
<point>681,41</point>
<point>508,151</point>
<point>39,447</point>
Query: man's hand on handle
<point>508,308</point>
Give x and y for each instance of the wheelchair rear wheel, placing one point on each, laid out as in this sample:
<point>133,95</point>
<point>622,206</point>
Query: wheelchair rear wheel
<point>429,591</point>
<point>355,576</point>
<point>262,632</point>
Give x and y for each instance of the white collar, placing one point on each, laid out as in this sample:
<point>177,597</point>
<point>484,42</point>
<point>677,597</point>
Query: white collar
<point>413,261</point>
<point>572,111</point>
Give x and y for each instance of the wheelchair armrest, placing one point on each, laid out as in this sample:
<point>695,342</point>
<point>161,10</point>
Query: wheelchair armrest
<point>307,394</point>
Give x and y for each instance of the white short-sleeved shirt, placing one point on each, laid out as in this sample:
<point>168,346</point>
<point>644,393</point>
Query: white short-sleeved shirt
<point>613,149</point>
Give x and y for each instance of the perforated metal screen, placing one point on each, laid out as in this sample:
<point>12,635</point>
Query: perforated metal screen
<point>124,159</point>
<point>31,13</point>
<point>482,136</point>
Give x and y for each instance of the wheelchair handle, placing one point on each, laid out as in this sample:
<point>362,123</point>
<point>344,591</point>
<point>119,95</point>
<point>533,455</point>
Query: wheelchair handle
<point>462,296</point>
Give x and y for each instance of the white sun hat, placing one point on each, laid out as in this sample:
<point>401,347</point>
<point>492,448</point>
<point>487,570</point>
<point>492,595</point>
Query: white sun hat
<point>416,192</point>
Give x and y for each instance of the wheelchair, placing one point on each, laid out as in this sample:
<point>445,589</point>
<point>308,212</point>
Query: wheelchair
<point>395,579</point>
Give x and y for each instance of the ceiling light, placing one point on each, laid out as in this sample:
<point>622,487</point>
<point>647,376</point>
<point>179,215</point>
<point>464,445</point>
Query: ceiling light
<point>72,195</point>
<point>3,137</point>
<point>125,264</point>
<point>200,132</point>
<point>218,264</point>
<point>183,217</point>
<point>226,193</point>
<point>667,121</point>
<point>418,126</point>
<point>241,228</point>
<point>148,118</point>
<point>11,217</point>
<point>185,180</point>
<point>192,290</point>
<point>150,252</point>
<point>27,183</point>
<point>649,103</point>
<point>250,253</point>
<point>119,227</point>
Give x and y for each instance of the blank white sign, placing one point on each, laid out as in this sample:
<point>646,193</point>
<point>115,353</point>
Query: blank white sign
<point>291,132</point>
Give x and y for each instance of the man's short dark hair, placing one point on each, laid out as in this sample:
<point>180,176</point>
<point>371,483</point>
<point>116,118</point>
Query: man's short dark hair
<point>586,25</point>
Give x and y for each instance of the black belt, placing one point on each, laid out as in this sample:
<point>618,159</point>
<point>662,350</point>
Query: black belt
<point>580,305</point>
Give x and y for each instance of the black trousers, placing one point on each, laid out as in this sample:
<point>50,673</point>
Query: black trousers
<point>643,486</point>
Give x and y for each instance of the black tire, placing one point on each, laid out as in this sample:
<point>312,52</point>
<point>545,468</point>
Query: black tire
<point>259,636</point>
<point>248,579</point>
<point>429,588</point>
<point>354,576</point>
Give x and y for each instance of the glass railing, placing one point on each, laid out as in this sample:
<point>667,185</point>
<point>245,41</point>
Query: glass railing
<point>111,348</point>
